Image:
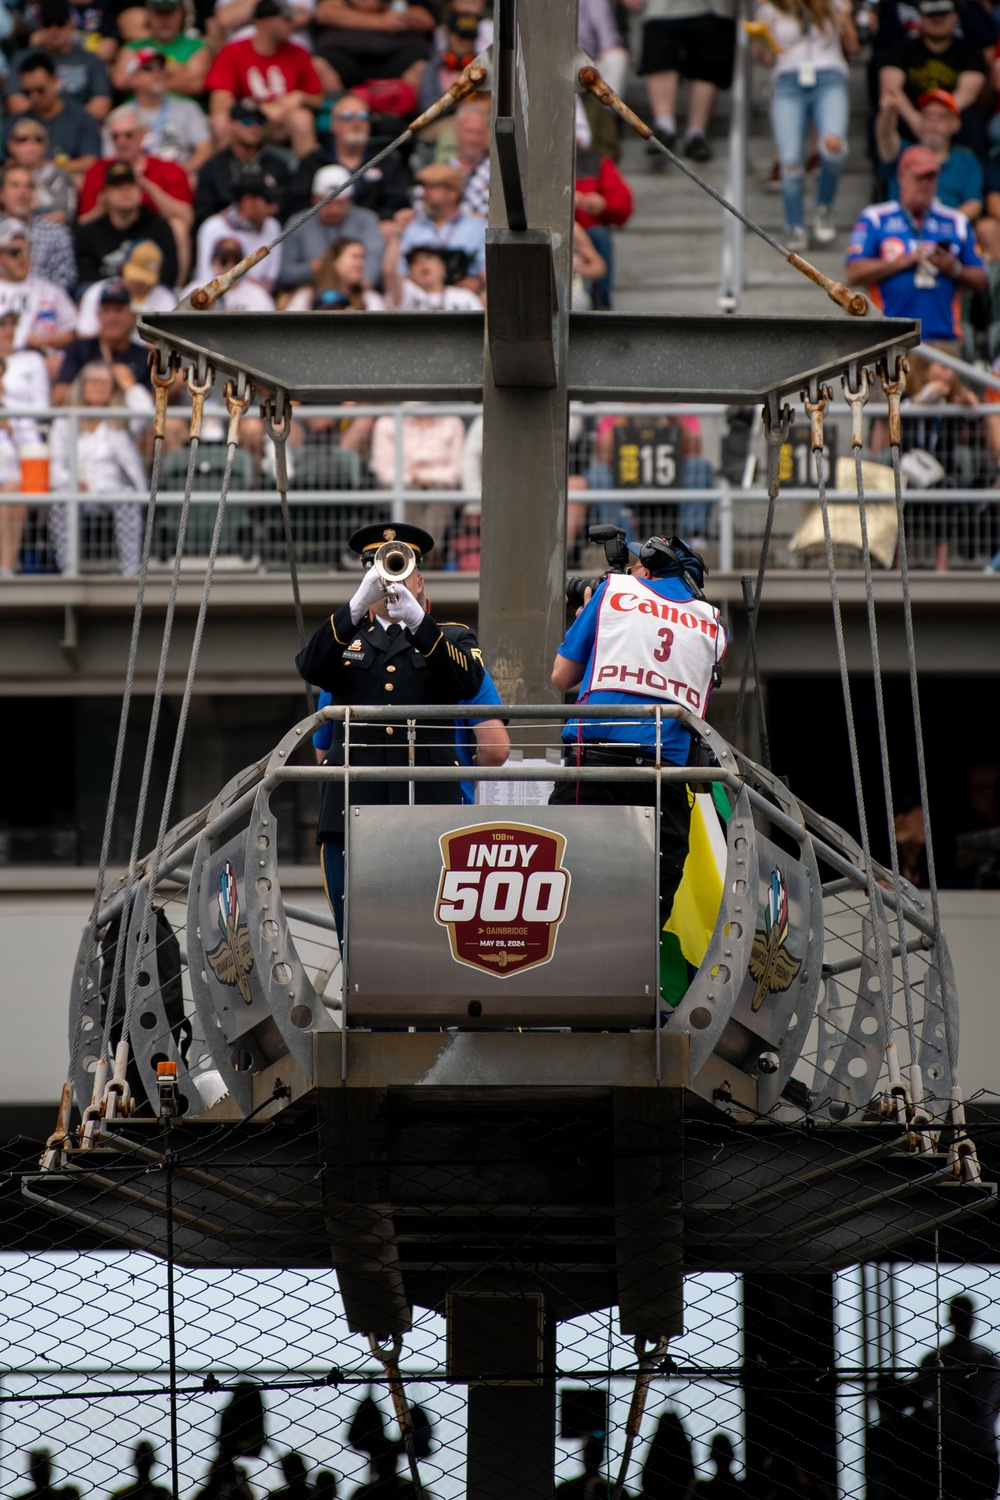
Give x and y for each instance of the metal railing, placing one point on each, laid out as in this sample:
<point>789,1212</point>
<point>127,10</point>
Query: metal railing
<point>651,468</point>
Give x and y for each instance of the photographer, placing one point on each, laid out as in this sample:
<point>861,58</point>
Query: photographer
<point>648,635</point>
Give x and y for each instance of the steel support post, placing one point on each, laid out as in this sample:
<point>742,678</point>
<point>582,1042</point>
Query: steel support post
<point>511,1426</point>
<point>522,611</point>
<point>789,1384</point>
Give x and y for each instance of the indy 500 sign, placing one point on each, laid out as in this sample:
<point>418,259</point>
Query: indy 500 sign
<point>502,895</point>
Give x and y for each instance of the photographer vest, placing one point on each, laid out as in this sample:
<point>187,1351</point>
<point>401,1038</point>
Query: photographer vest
<point>659,649</point>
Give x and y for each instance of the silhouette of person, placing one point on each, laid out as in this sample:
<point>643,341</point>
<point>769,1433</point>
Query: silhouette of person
<point>241,1423</point>
<point>142,1487</point>
<point>40,1475</point>
<point>226,1481</point>
<point>793,1479</point>
<point>725,1485</point>
<point>367,1434</point>
<point>325,1487</point>
<point>592,1482</point>
<point>668,1471</point>
<point>296,1485</point>
<point>900,1449</point>
<point>385,1483</point>
<point>963,1392</point>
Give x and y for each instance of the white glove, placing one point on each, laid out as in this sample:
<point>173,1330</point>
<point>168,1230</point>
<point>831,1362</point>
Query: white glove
<point>406,610</point>
<point>368,594</point>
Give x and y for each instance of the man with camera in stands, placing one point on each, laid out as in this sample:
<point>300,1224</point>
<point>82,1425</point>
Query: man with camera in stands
<point>646,634</point>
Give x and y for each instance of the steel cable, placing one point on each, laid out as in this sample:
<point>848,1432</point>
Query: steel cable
<point>237,406</point>
<point>857,401</point>
<point>816,409</point>
<point>947,992</point>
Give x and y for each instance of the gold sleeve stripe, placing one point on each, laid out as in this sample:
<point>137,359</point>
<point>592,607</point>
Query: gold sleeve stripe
<point>459,657</point>
<point>335,635</point>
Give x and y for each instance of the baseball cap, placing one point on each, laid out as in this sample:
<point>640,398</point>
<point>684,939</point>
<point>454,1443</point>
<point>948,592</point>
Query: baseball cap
<point>247,111</point>
<point>164,4</point>
<point>919,159</point>
<point>935,7</point>
<point>11,230</point>
<point>259,184</point>
<point>146,57</point>
<point>115,294</point>
<point>54,13</point>
<point>118,173</point>
<point>227,246</point>
<point>939,96</point>
<point>328,179</point>
<point>265,8</point>
<point>416,250</point>
<point>144,263</point>
<point>439,174</point>
<point>461,23</point>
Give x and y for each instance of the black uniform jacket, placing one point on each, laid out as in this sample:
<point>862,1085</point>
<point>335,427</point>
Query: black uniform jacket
<point>359,665</point>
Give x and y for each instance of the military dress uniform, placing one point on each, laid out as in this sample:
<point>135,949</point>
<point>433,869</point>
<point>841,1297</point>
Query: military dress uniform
<point>372,664</point>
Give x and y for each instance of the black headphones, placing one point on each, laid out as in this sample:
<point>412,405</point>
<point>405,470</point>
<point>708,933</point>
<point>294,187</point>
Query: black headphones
<point>674,558</point>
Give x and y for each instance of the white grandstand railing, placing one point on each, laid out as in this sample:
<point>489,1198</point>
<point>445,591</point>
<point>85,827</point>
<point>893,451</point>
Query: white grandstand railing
<point>728,518</point>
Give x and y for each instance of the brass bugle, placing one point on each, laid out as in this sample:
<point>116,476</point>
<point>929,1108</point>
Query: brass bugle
<point>394,561</point>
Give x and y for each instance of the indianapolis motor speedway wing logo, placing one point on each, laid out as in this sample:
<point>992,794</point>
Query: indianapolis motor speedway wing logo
<point>232,959</point>
<point>771,964</point>
<point>502,895</point>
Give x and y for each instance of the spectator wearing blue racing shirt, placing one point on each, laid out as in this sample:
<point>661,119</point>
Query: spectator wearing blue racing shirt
<point>915,255</point>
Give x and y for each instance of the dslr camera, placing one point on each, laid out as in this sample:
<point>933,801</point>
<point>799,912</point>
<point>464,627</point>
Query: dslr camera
<point>618,556</point>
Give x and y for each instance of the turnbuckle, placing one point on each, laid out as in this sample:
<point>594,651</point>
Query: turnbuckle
<point>237,405</point>
<point>777,424</point>
<point>894,386</point>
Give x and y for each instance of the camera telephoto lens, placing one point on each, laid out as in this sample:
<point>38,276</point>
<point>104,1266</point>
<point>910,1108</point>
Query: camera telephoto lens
<point>576,587</point>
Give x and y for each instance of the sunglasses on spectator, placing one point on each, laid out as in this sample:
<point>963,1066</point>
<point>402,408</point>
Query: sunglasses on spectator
<point>28,135</point>
<point>351,114</point>
<point>13,251</point>
<point>39,88</point>
<point>227,258</point>
<point>123,135</point>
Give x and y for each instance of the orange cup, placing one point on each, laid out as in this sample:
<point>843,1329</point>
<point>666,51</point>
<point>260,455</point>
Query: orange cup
<point>35,469</point>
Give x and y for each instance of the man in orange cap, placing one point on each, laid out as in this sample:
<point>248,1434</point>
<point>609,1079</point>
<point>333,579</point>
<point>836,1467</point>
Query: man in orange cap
<point>960,179</point>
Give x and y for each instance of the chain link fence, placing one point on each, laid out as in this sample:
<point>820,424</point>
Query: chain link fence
<point>386,1276</point>
<point>236,1352</point>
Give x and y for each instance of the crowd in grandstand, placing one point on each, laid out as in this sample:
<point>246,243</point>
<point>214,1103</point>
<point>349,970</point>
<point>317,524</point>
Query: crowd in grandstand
<point>147,147</point>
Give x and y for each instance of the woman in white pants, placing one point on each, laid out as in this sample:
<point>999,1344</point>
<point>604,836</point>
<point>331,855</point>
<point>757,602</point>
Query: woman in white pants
<point>107,463</point>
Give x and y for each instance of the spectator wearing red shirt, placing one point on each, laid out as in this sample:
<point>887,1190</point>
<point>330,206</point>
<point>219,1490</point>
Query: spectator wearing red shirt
<point>603,200</point>
<point>165,185</point>
<point>275,73</point>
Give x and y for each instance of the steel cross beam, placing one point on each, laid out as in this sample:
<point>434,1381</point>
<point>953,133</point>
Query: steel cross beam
<point>326,357</point>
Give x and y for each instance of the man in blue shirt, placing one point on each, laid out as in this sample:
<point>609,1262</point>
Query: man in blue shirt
<point>442,223</point>
<point>914,255</point>
<point>648,636</point>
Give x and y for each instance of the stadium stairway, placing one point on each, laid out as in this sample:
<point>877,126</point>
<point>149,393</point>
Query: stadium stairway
<point>668,258</point>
